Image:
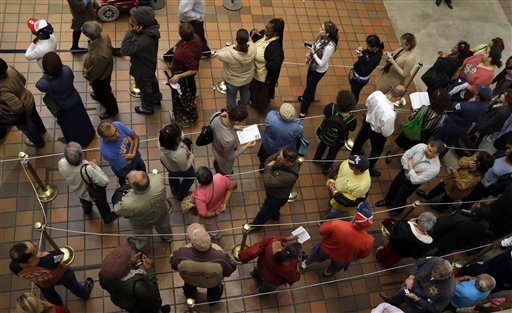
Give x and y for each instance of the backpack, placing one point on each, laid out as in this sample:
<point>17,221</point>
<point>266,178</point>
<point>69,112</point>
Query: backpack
<point>333,131</point>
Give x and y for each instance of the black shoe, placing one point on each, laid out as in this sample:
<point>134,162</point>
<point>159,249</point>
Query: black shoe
<point>165,308</point>
<point>387,159</point>
<point>78,50</point>
<point>438,2</point>
<point>395,212</point>
<point>93,96</point>
<point>299,98</point>
<point>62,140</point>
<point>375,173</point>
<point>113,217</point>
<point>117,52</point>
<point>131,243</point>
<point>106,115</point>
<point>141,110</point>
<point>89,284</point>
<point>381,203</point>
<point>449,4</point>
<point>421,193</point>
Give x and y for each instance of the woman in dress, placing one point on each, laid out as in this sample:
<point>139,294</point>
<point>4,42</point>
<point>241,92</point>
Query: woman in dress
<point>268,61</point>
<point>367,60</point>
<point>399,64</point>
<point>446,65</point>
<point>177,157</point>
<point>57,83</point>
<point>238,68</point>
<point>317,60</point>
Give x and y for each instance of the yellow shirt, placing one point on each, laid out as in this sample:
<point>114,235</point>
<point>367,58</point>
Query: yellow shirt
<point>351,185</point>
<point>260,74</point>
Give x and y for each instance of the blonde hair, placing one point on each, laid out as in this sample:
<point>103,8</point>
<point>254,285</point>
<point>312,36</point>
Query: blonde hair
<point>29,303</point>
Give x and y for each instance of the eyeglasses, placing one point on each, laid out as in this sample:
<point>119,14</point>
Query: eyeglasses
<point>113,135</point>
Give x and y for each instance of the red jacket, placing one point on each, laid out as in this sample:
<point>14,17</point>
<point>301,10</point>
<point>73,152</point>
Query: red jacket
<point>273,273</point>
<point>343,242</point>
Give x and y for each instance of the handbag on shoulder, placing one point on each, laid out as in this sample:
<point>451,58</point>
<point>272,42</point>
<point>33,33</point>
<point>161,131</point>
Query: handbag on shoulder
<point>206,135</point>
<point>92,188</point>
<point>51,104</point>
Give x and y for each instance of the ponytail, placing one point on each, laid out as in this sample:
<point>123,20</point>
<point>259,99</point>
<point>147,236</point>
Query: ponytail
<point>242,39</point>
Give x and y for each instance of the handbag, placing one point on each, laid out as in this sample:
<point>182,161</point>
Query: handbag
<point>302,146</point>
<point>92,188</point>
<point>189,203</point>
<point>412,129</point>
<point>51,104</point>
<point>206,135</point>
<point>434,79</point>
<point>8,118</point>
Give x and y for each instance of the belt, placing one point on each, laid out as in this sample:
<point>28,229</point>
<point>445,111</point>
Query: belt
<point>358,78</point>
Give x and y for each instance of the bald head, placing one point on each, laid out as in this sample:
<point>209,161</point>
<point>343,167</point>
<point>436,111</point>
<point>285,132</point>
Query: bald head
<point>138,180</point>
<point>398,91</point>
<point>485,282</point>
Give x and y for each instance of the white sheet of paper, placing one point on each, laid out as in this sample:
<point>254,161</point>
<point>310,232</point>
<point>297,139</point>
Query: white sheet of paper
<point>248,134</point>
<point>302,234</point>
<point>418,99</point>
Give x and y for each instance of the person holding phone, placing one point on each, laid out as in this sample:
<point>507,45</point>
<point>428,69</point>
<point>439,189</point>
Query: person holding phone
<point>367,60</point>
<point>317,58</point>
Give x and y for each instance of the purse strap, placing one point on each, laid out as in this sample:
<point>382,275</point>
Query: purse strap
<point>89,183</point>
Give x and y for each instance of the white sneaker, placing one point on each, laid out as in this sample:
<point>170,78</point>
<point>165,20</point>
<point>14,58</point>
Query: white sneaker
<point>29,143</point>
<point>303,266</point>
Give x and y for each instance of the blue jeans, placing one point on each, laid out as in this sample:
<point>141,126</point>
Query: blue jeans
<point>150,94</point>
<point>331,154</point>
<point>318,255</point>
<point>69,281</point>
<point>245,96</point>
<point>269,209</point>
<point>180,187</point>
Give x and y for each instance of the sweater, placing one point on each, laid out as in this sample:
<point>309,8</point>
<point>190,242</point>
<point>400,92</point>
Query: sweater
<point>178,160</point>
<point>187,55</point>
<point>74,179</point>
<point>351,189</point>
<point>36,51</point>
<point>407,242</point>
<point>475,75</point>
<point>280,134</point>
<point>462,181</point>
<point>225,144</point>
<point>99,62</point>
<point>142,48</point>
<point>343,242</point>
<point>14,96</point>
<point>273,273</point>
<point>367,62</point>
<point>238,68</point>
<point>279,179</point>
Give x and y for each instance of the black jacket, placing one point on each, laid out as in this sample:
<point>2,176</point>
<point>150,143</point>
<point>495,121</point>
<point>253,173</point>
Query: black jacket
<point>405,243</point>
<point>501,212</point>
<point>367,62</point>
<point>279,180</point>
<point>142,48</point>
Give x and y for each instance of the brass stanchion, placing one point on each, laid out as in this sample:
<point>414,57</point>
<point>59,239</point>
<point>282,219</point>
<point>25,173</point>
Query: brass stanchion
<point>221,87</point>
<point>134,91</point>
<point>45,192</point>
<point>387,224</point>
<point>191,303</point>
<point>349,144</point>
<point>69,253</point>
<point>407,82</point>
<point>294,195</point>
<point>232,5</point>
<point>237,248</point>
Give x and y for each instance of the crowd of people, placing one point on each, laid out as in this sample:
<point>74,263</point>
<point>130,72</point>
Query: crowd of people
<point>463,111</point>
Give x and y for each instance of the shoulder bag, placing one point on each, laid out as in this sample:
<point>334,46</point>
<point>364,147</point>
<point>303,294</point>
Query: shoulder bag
<point>206,135</point>
<point>92,188</point>
<point>50,102</point>
<point>412,129</point>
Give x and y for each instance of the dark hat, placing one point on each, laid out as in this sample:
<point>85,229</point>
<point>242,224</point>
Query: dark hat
<point>485,92</point>
<point>364,216</point>
<point>359,162</point>
<point>508,64</point>
<point>144,16</point>
<point>117,263</point>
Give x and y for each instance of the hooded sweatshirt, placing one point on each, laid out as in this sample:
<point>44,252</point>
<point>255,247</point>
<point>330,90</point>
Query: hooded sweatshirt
<point>142,48</point>
<point>238,67</point>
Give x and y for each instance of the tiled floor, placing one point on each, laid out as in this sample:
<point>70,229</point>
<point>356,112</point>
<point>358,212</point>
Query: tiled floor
<point>353,291</point>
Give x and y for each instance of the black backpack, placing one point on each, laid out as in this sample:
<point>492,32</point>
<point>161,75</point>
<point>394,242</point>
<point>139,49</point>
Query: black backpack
<point>334,130</point>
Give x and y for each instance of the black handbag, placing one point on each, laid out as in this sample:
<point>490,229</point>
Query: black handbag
<point>206,135</point>
<point>51,104</point>
<point>8,118</point>
<point>92,188</point>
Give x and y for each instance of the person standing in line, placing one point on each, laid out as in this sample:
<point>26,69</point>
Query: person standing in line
<point>82,11</point>
<point>44,42</point>
<point>238,68</point>
<point>119,145</point>
<point>399,64</point>
<point>80,173</point>
<point>15,98</point>
<point>317,59</point>
<point>280,174</point>
<point>141,44</point>
<point>57,82</point>
<point>471,290</point>
<point>211,198</point>
<point>98,66</point>
<point>192,11</point>
<point>225,148</point>
<point>378,124</point>
<point>420,164</point>
<point>46,270</point>
<point>367,60</point>
<point>145,205</point>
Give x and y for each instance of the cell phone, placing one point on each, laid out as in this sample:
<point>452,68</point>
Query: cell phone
<point>406,291</point>
<point>307,45</point>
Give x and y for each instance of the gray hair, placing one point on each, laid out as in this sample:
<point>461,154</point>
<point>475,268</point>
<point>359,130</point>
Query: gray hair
<point>398,91</point>
<point>443,269</point>
<point>73,153</point>
<point>426,221</point>
<point>92,30</point>
<point>103,127</point>
<point>141,186</point>
<point>485,282</point>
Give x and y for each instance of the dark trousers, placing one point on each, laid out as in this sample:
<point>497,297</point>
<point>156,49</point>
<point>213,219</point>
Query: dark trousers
<point>331,154</point>
<point>401,188</point>
<point>399,297</point>
<point>269,210</point>
<point>140,166</point>
<point>212,294</point>
<point>199,28</point>
<point>33,128</point>
<point>308,96</point>
<point>436,191</point>
<point>356,88</point>
<point>262,156</point>
<point>191,82</point>
<point>478,193</point>
<point>101,203</point>
<point>103,92</point>
<point>150,94</point>
<point>180,187</point>
<point>76,39</point>
<point>69,281</point>
<point>377,140</point>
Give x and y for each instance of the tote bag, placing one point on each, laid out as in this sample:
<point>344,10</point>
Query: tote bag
<point>412,129</point>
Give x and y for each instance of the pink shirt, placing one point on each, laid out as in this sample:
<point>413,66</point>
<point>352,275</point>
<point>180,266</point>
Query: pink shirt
<point>203,194</point>
<point>475,75</point>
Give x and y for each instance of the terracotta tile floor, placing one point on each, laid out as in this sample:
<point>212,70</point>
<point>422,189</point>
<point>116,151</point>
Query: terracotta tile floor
<point>353,291</point>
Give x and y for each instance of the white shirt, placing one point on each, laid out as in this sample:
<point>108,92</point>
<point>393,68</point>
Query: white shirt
<point>381,115</point>
<point>424,169</point>
<point>191,10</point>
<point>36,51</point>
<point>74,179</point>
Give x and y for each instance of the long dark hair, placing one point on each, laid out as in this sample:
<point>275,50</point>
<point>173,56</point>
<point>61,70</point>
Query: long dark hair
<point>52,64</point>
<point>289,252</point>
<point>332,30</point>
<point>495,55</point>
<point>170,136</point>
<point>463,50</point>
<point>242,38</point>
<point>374,41</point>
<point>278,27</point>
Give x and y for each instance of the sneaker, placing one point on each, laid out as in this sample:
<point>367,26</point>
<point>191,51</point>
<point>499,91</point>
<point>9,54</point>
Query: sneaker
<point>141,110</point>
<point>89,284</point>
<point>327,272</point>
<point>303,267</point>
<point>165,308</point>
<point>29,143</point>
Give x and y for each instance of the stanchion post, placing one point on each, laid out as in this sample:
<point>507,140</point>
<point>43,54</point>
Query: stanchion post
<point>237,248</point>
<point>294,194</point>
<point>69,253</point>
<point>191,303</point>
<point>45,192</point>
<point>232,5</point>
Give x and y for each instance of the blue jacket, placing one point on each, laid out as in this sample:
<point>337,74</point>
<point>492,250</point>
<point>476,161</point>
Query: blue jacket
<point>280,134</point>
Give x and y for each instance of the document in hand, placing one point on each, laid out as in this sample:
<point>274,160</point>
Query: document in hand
<point>419,99</point>
<point>248,134</point>
<point>302,234</point>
